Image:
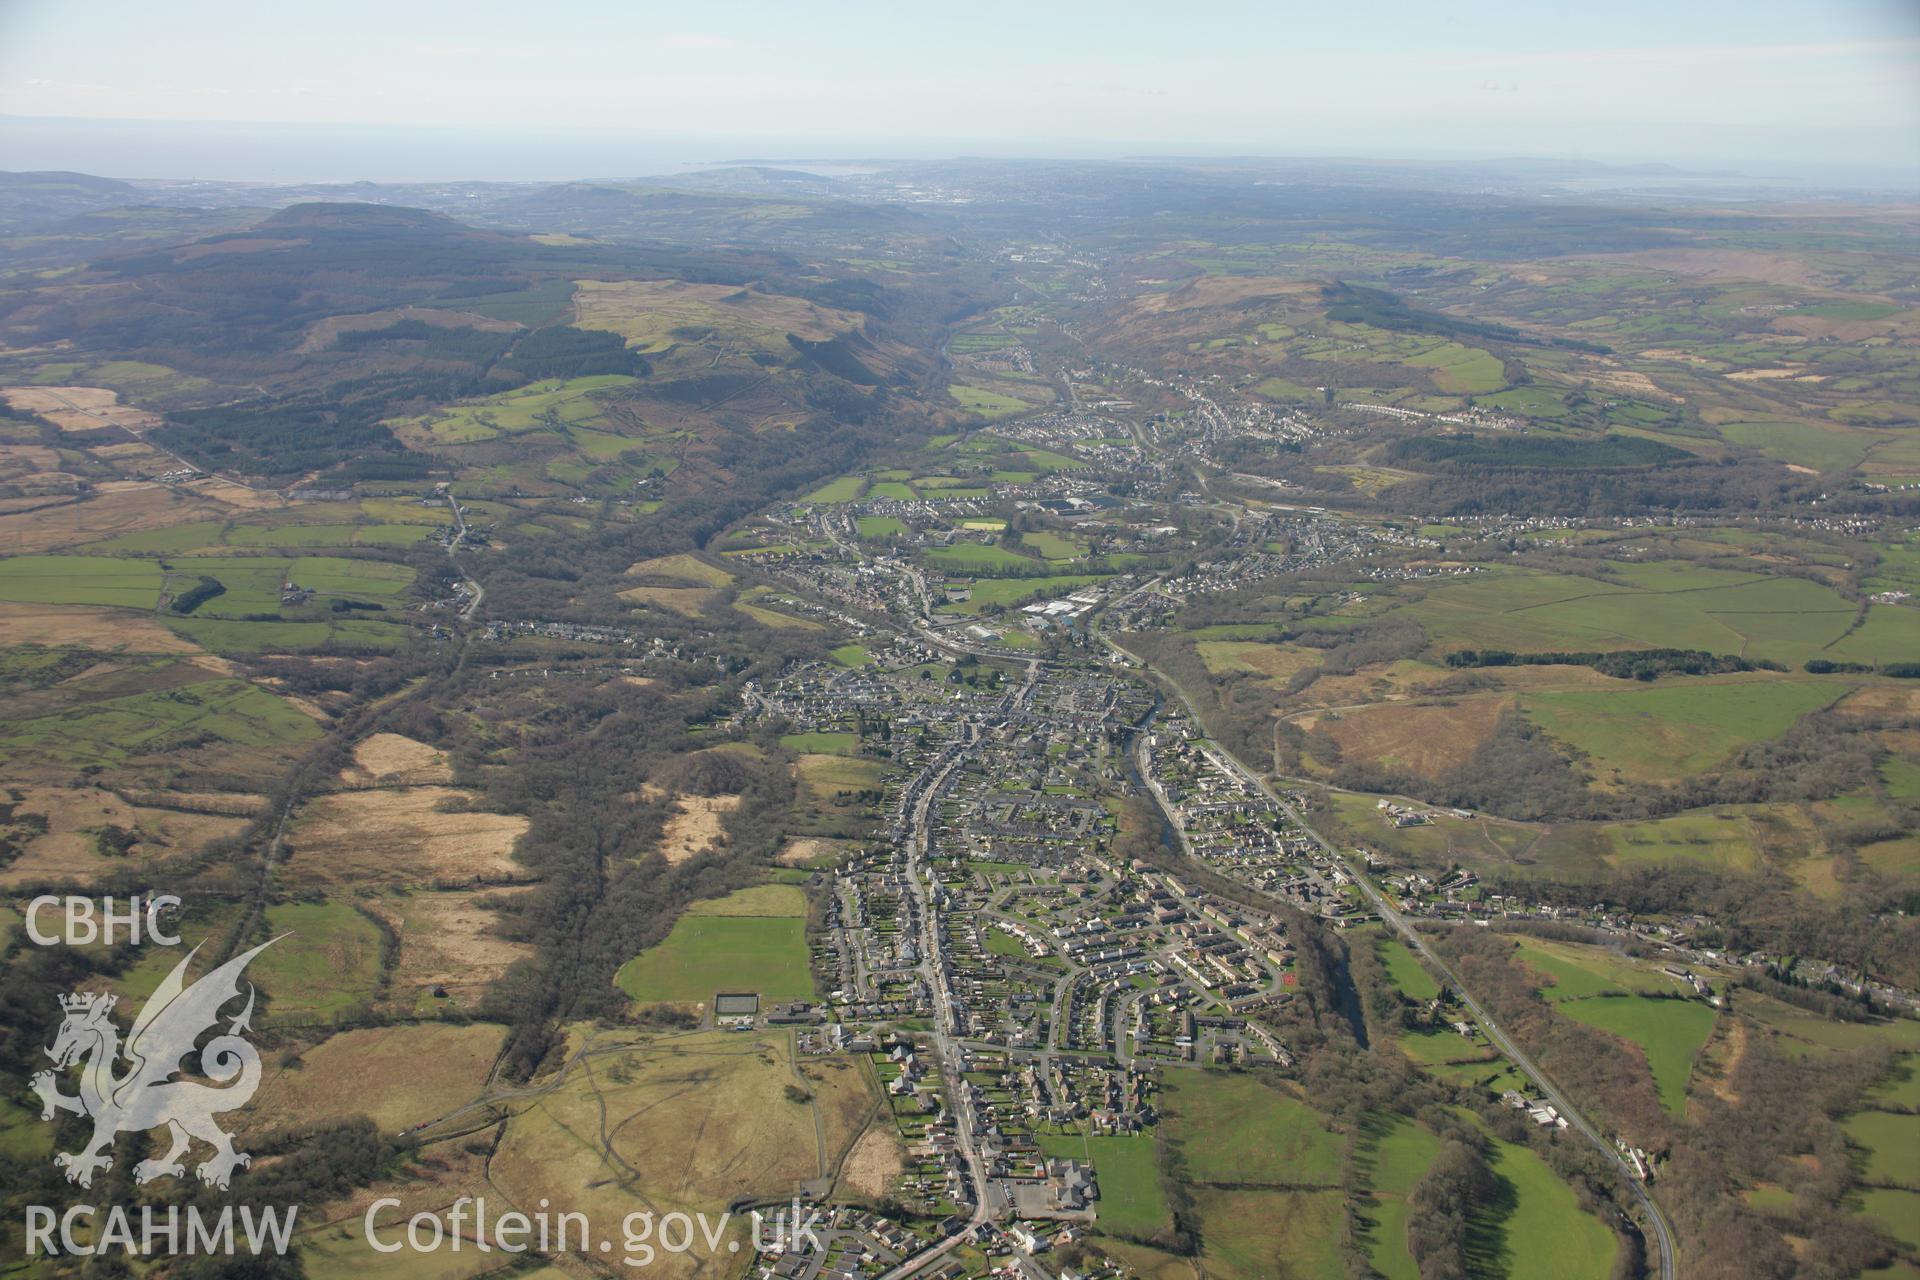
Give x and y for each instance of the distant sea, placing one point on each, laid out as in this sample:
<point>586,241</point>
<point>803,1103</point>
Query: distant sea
<point>223,152</point>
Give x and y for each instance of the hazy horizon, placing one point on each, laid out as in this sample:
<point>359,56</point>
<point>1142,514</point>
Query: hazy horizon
<point>288,154</point>
<point>488,91</point>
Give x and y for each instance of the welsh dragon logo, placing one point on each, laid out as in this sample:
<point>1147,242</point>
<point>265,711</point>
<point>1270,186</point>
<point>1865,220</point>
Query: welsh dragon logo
<point>146,1096</point>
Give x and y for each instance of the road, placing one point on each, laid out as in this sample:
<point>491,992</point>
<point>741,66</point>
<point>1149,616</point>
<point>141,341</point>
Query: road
<point>1663,1235</point>
<point>453,548</point>
<point>922,799</point>
<point>1662,1231</point>
<point>946,1038</point>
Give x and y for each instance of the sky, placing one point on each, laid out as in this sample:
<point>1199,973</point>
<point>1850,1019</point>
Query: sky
<point>309,91</point>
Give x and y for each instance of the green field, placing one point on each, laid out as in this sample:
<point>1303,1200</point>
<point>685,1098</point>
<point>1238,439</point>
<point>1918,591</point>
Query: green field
<point>1046,461</point>
<point>1814,1034</point>
<point>1396,1154</point>
<point>1899,567</point>
<point>827,742</point>
<point>1053,546</point>
<point>1233,1129</point>
<point>1281,389</point>
<point>109,730</point>
<point>1460,369</point>
<point>774,618</point>
<point>345,635</point>
<point>329,965</point>
<point>971,557</point>
<point>202,535</point>
<point>1902,1088</point>
<point>409,511</point>
<point>1897,1212</point>
<point>1405,970</point>
<point>1000,943</point>
<point>1722,838</point>
<point>1582,971</point>
<point>1530,402</point>
<point>852,655</point>
<point>844,489</point>
<point>1824,448</point>
<point>96,580</point>
<point>1889,1142</point>
<point>23,1135</point>
<point>1624,997</point>
<point>880,528</point>
<point>1438,1048</point>
<point>986,403</point>
<point>771,900</point>
<point>604,446</point>
<point>1670,1032</point>
<point>552,402</point>
<point>1653,605</point>
<point>712,952</point>
<point>1891,633</point>
<point>335,575</point>
<point>1538,1229</point>
<point>1674,730</point>
<point>1006,591</point>
<point>1492,1076</point>
<point>1257,1235</point>
<point>253,583</point>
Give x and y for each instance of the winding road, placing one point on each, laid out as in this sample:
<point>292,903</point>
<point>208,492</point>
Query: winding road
<point>1656,1220</point>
